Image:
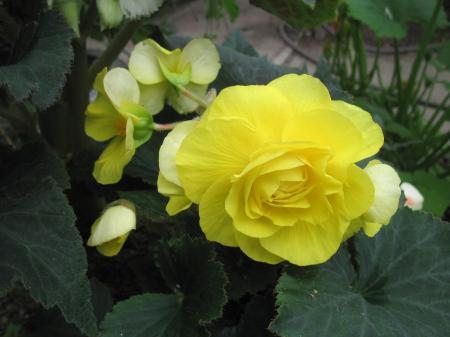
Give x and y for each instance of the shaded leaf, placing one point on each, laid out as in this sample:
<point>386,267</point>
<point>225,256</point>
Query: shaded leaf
<point>39,244</point>
<point>39,61</point>
<point>324,74</point>
<point>301,14</point>
<point>389,18</point>
<point>188,269</point>
<point>402,287</point>
<point>150,203</point>
<point>236,41</point>
<point>244,274</point>
<point>259,312</point>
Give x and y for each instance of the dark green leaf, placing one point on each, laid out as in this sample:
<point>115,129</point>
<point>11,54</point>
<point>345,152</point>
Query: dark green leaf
<point>324,74</point>
<point>197,283</point>
<point>232,9</point>
<point>223,327</point>
<point>389,18</point>
<point>239,69</point>
<point>402,287</point>
<point>145,161</point>
<point>150,203</point>
<point>39,61</point>
<point>244,274</point>
<point>259,312</point>
<point>237,42</point>
<point>46,323</point>
<point>435,191</point>
<point>301,14</point>
<point>39,244</point>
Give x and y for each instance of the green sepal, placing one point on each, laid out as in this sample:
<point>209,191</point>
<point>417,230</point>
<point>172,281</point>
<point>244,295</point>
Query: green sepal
<point>177,79</point>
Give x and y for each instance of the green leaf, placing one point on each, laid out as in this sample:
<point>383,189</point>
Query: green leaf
<point>239,69</point>
<point>398,129</point>
<point>232,9</point>
<point>145,161</point>
<point>237,42</point>
<point>435,191</point>
<point>324,74</point>
<point>259,312</point>
<point>39,61</point>
<point>39,244</point>
<point>45,323</point>
<point>197,283</point>
<point>402,287</point>
<point>389,18</point>
<point>301,14</point>
<point>244,274</point>
<point>151,204</point>
<point>444,55</point>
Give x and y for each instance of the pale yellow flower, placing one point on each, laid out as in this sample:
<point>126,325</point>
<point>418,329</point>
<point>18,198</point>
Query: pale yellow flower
<point>110,231</point>
<point>273,170</point>
<point>158,71</point>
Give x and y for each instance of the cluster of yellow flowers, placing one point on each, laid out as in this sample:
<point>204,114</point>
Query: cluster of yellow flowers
<point>128,99</point>
<point>273,171</point>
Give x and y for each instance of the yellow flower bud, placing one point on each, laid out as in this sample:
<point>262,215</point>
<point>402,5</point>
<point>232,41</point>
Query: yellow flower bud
<point>110,231</point>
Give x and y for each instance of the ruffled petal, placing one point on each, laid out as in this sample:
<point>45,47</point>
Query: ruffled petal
<point>268,116</point>
<point>169,149</point>
<point>214,220</point>
<point>109,167</point>
<point>204,58</point>
<point>372,136</point>
<point>254,250</point>
<point>206,155</point>
<point>101,117</point>
<point>183,104</point>
<point>359,192</point>
<point>326,127</point>
<point>178,201</point>
<point>120,86</point>
<point>144,64</point>
<point>305,244</point>
<point>387,192</point>
<point>304,92</point>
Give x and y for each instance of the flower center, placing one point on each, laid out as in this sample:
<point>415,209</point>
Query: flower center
<point>121,126</point>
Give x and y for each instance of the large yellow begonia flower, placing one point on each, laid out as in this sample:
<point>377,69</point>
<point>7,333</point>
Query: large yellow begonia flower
<point>158,70</point>
<point>273,171</point>
<point>115,113</point>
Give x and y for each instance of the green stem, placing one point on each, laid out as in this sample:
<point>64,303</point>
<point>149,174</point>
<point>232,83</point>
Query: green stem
<point>398,73</point>
<point>375,62</point>
<point>113,50</point>
<point>436,112</point>
<point>195,98</point>
<point>406,97</point>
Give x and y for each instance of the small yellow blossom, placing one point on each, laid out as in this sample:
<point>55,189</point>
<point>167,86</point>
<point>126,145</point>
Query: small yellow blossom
<point>110,231</point>
<point>273,171</point>
<point>115,113</point>
<point>159,71</point>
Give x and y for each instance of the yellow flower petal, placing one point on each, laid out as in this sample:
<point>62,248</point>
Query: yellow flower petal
<point>371,132</point>
<point>219,150</point>
<point>109,167</point>
<point>214,220</point>
<point>169,149</point>
<point>101,117</point>
<point>254,250</point>
<point>204,58</point>
<point>153,96</point>
<point>326,127</point>
<point>98,83</point>
<point>178,201</point>
<point>113,247</point>
<point>304,92</point>
<point>269,116</point>
<point>183,104</point>
<point>359,192</point>
<point>120,86</point>
<point>387,192</point>
<point>371,228</point>
<point>144,63</point>
<point>305,244</point>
